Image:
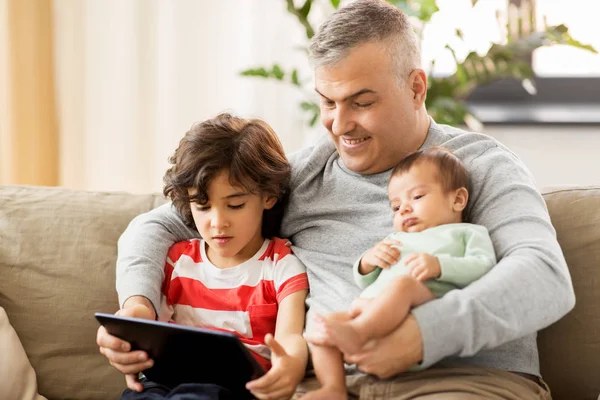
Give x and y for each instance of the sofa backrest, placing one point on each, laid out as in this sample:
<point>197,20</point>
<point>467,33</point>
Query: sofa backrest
<point>57,267</point>
<point>570,348</point>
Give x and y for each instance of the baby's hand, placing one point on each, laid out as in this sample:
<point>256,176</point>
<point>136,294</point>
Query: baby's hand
<point>283,377</point>
<point>383,255</point>
<point>423,266</point>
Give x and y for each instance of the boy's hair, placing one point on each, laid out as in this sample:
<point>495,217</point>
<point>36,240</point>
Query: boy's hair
<point>451,172</point>
<point>248,149</point>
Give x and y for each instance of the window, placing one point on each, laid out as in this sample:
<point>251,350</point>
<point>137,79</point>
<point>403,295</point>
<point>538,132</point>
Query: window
<point>567,79</point>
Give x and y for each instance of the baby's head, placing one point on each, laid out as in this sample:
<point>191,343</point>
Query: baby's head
<point>428,188</point>
<point>229,177</point>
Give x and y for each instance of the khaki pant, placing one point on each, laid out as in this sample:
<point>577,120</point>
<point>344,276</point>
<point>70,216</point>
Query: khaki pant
<point>449,383</point>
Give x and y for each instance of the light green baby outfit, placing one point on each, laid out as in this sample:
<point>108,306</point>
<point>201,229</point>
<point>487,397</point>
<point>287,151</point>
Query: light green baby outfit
<point>465,252</point>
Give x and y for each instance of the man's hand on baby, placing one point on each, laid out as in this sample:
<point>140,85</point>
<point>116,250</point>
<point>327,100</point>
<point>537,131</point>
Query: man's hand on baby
<point>383,255</point>
<point>423,266</point>
<point>119,352</point>
<point>283,377</point>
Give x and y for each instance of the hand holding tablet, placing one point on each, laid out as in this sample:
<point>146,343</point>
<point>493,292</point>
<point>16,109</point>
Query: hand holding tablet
<point>184,354</point>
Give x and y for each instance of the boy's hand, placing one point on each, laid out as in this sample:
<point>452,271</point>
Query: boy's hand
<point>423,266</point>
<point>119,352</point>
<point>383,255</point>
<point>283,377</point>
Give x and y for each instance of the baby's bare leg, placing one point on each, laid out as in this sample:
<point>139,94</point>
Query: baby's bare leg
<point>382,316</point>
<point>329,368</point>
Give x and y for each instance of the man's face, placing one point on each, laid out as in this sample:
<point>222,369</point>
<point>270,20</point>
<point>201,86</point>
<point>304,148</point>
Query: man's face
<point>371,118</point>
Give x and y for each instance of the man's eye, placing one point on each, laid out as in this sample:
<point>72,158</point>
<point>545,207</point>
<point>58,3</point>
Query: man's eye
<point>202,208</point>
<point>328,103</point>
<point>237,206</point>
<point>363,105</point>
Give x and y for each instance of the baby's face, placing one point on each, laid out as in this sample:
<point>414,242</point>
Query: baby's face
<point>419,200</point>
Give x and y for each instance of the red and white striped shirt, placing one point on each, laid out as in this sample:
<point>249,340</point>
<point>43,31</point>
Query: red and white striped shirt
<point>242,299</point>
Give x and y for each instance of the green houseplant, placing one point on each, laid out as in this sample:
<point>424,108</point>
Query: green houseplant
<point>447,94</point>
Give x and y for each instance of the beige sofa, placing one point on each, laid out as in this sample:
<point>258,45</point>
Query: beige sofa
<point>57,267</point>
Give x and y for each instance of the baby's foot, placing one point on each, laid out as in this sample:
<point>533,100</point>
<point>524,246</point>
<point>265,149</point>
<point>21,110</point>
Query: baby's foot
<point>327,393</point>
<point>342,335</point>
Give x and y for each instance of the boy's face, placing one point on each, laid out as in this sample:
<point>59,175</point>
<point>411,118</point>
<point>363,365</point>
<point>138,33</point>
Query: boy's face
<point>230,222</point>
<point>419,200</point>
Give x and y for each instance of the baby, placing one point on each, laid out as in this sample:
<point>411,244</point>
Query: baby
<point>431,252</point>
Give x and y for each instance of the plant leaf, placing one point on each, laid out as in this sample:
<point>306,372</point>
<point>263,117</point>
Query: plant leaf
<point>277,73</point>
<point>294,78</point>
<point>335,3</point>
<point>305,9</point>
<point>261,72</point>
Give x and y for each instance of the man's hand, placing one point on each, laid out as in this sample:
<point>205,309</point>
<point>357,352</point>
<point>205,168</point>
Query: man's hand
<point>392,354</point>
<point>119,352</point>
<point>423,266</point>
<point>383,255</point>
<point>283,377</point>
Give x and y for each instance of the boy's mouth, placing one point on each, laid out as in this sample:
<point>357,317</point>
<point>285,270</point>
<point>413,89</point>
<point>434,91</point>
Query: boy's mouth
<point>222,239</point>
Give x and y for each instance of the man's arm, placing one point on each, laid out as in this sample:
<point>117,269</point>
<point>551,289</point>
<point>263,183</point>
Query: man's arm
<point>529,289</point>
<point>142,251</point>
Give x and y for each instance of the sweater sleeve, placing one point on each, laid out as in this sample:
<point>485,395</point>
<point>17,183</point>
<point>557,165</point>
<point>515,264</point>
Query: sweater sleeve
<point>142,251</point>
<point>478,259</point>
<point>362,281</point>
<point>530,287</point>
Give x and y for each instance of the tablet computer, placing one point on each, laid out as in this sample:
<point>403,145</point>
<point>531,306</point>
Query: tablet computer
<point>184,354</point>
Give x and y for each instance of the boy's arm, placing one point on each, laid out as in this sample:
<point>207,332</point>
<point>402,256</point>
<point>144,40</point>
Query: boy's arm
<point>479,258</point>
<point>142,251</point>
<point>290,324</point>
<point>289,352</point>
<point>530,287</point>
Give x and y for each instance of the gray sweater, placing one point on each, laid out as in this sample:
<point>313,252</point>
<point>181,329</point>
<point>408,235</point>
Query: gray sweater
<point>334,215</point>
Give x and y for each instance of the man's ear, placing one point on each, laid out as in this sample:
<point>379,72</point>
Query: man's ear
<point>417,82</point>
<point>269,202</point>
<point>461,197</point>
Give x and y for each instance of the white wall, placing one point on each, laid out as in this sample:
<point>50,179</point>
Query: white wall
<point>556,155</point>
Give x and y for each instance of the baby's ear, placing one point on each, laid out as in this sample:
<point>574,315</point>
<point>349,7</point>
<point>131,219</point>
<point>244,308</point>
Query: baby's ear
<point>269,202</point>
<point>461,197</point>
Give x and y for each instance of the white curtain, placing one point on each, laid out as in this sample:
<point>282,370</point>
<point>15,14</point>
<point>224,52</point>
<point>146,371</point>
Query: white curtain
<point>132,76</point>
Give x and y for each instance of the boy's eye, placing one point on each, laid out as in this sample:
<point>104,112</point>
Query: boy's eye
<point>395,208</point>
<point>417,197</point>
<point>237,206</point>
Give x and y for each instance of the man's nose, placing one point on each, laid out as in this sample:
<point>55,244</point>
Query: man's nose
<point>342,121</point>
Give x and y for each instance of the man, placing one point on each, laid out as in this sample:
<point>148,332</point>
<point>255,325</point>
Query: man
<point>480,342</point>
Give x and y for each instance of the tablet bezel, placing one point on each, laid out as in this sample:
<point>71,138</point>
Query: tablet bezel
<point>150,336</point>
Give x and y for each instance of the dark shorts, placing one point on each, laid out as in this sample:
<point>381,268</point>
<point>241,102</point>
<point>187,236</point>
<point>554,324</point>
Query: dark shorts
<point>187,391</point>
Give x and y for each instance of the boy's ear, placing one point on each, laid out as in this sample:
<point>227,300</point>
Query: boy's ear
<point>269,202</point>
<point>460,199</point>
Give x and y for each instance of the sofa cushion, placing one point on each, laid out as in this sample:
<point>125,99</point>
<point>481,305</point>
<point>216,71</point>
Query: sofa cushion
<point>18,377</point>
<point>570,349</point>
<point>57,264</point>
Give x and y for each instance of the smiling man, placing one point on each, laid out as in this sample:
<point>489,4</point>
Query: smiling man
<point>478,342</point>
